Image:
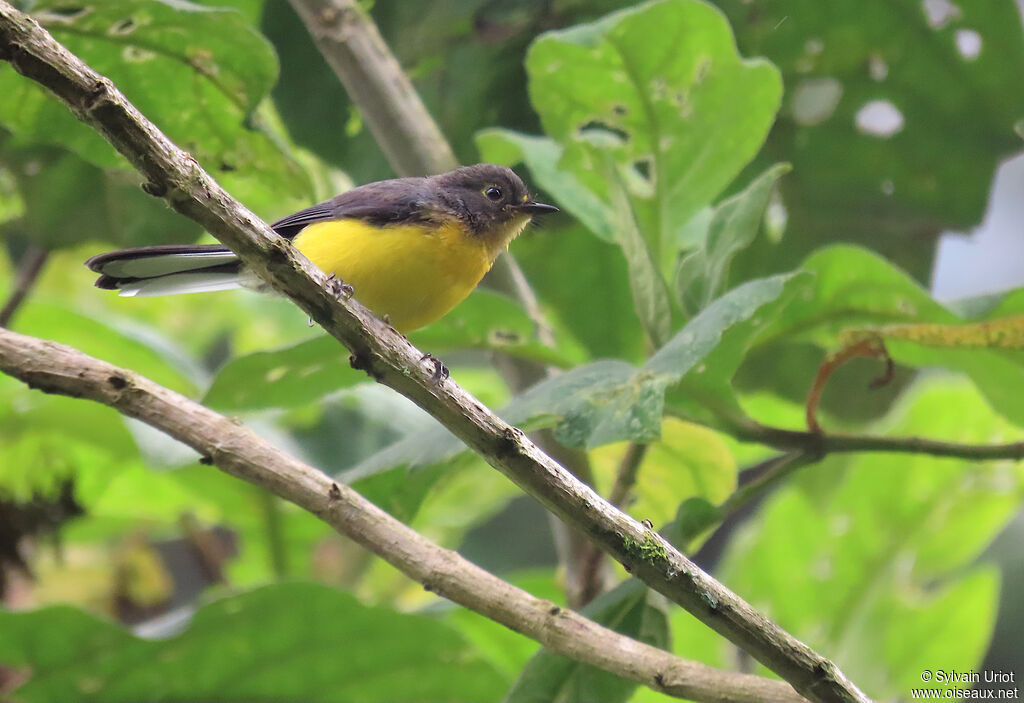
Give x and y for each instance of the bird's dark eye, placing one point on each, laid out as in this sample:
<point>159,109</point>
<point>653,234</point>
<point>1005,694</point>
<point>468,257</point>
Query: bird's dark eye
<point>493,192</point>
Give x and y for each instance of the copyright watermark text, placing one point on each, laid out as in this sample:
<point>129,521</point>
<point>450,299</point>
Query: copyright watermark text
<point>953,684</point>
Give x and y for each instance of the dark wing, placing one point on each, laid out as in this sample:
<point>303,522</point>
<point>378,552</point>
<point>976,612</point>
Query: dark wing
<point>295,223</point>
<point>381,203</point>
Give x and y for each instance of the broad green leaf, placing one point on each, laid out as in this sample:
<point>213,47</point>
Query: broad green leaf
<point>129,345</point>
<point>287,642</point>
<point>661,91</point>
<point>309,370</point>
<point>688,461</point>
<point>650,113</point>
<point>895,183</point>
<point>283,378</point>
<point>585,289</point>
<point>508,651</point>
<point>631,609</point>
<point>853,289</point>
<point>701,274</point>
<point>707,391</point>
<point>852,286</point>
<point>876,569</point>
<point>68,201</point>
<point>196,71</point>
<point>650,294</point>
<point>606,401</point>
<point>610,401</point>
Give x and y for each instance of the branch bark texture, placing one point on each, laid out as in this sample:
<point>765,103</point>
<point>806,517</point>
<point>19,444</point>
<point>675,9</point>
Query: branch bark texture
<point>389,358</point>
<point>237,450</point>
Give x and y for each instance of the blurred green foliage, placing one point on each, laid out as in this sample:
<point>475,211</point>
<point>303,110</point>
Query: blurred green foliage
<point>727,218</point>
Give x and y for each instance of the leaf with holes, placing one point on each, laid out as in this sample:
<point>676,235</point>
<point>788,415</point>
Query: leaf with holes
<point>197,72</point>
<point>650,113</point>
<point>661,91</point>
<point>873,121</point>
<point>853,289</point>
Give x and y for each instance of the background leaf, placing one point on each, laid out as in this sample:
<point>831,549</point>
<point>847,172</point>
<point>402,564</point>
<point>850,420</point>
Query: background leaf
<point>630,609</point>
<point>198,73</point>
<point>246,647</point>
<point>852,181</point>
<point>865,559</point>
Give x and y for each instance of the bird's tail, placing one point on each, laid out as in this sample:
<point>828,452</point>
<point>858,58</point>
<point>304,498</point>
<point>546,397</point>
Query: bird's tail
<point>167,270</point>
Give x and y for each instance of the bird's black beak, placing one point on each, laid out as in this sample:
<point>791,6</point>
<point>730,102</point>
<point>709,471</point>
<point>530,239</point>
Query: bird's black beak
<point>533,208</point>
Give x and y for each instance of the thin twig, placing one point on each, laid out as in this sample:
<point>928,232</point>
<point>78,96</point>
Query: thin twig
<point>591,560</point>
<point>841,443</point>
<point>871,346</point>
<point>237,450</point>
<point>389,358</point>
<point>770,474</point>
<point>626,476</point>
<point>29,268</point>
<point>820,444</point>
<point>270,508</point>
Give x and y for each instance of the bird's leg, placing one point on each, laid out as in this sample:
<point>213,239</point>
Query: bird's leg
<point>338,287</point>
<point>440,370</point>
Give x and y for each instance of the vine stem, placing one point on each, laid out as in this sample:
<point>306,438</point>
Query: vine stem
<point>29,268</point>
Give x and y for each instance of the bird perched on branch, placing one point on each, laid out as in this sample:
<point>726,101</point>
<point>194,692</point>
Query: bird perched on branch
<point>410,248</point>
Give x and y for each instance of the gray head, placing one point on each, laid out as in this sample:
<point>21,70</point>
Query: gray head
<point>487,197</point>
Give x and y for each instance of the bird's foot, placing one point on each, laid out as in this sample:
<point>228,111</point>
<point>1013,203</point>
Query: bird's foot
<point>440,370</point>
<point>338,288</point>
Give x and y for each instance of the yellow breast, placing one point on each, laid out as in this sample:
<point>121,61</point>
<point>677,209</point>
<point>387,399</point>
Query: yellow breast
<point>411,273</point>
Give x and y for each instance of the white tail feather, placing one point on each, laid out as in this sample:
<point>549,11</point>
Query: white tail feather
<point>161,265</point>
<point>182,283</point>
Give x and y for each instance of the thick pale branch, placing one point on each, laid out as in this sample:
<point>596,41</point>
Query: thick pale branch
<point>351,44</point>
<point>389,358</point>
<point>55,368</point>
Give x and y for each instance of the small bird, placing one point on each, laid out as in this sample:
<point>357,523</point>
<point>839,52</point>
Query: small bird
<point>410,248</point>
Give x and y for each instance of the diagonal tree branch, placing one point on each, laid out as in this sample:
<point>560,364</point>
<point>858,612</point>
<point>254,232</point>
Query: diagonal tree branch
<point>389,358</point>
<point>55,368</point>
